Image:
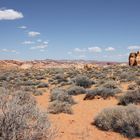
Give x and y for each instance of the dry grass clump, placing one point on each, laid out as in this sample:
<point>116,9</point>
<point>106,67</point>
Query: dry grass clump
<point>130,97</point>
<point>61,102</point>
<point>61,95</point>
<point>20,119</point>
<point>57,107</point>
<point>122,119</point>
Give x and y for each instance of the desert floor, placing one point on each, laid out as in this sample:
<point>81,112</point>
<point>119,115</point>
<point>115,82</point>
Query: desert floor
<point>78,125</point>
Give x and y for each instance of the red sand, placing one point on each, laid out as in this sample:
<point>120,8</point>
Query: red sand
<point>78,125</point>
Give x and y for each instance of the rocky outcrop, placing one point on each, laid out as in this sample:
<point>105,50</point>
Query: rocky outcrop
<point>89,67</point>
<point>134,59</point>
<point>138,58</point>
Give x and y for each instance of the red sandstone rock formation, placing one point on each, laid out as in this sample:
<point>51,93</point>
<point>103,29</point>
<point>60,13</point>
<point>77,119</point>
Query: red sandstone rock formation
<point>134,59</point>
<point>138,58</point>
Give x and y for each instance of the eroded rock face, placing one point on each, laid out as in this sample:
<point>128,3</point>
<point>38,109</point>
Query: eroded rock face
<point>134,59</point>
<point>138,58</point>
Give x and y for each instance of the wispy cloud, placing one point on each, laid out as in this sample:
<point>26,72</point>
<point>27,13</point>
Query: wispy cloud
<point>110,49</point>
<point>45,42</point>
<point>22,27</point>
<point>33,34</point>
<point>95,49</point>
<point>28,42</point>
<point>79,50</point>
<point>10,14</point>
<point>9,51</point>
<point>134,47</point>
<point>43,46</point>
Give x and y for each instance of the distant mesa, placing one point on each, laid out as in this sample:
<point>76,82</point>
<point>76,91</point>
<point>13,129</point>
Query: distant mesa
<point>134,59</point>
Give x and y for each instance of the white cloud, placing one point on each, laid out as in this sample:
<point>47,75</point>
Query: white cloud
<point>10,14</point>
<point>39,47</point>
<point>4,50</point>
<point>79,50</point>
<point>22,27</point>
<point>10,51</point>
<point>94,49</point>
<point>135,47</point>
<point>45,42</point>
<point>110,49</point>
<point>33,34</point>
<point>28,42</point>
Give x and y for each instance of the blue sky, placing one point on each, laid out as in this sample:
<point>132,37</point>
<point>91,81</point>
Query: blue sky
<point>104,30</point>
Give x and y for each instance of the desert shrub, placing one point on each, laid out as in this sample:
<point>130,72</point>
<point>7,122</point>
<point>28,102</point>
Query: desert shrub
<point>20,119</point>
<point>59,76</point>
<point>61,95</point>
<point>65,83</point>
<point>42,85</point>
<point>138,82</point>
<point>100,75</point>
<point>101,82</point>
<point>132,87</point>
<point>90,94</point>
<point>83,81</point>
<point>54,71</point>
<point>3,78</point>
<point>76,90</point>
<point>127,76</point>
<point>109,89</point>
<point>102,92</point>
<point>61,102</point>
<point>130,97</point>
<point>30,83</point>
<point>27,88</point>
<point>125,120</point>
<point>57,107</point>
<point>37,92</point>
<point>110,85</point>
<point>39,77</point>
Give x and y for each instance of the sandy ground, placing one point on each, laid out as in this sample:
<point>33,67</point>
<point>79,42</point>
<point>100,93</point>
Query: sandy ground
<point>78,125</point>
